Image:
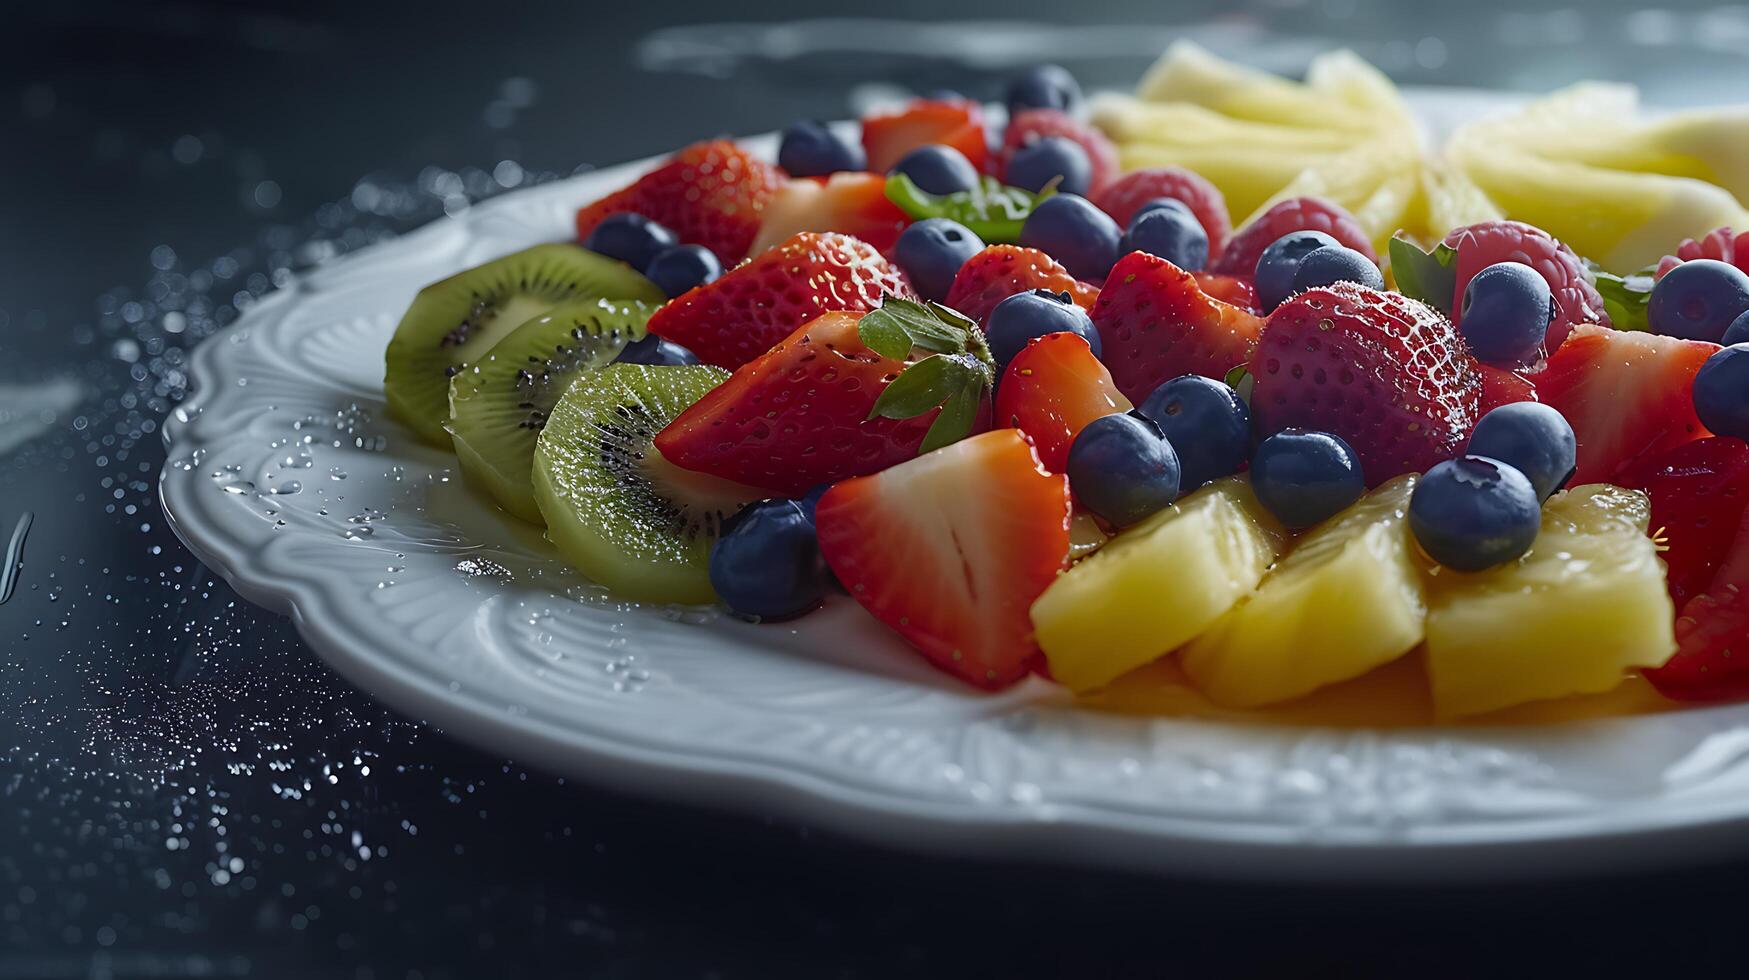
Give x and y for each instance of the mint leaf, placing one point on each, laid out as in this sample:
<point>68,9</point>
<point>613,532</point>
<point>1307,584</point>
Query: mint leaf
<point>1624,297</point>
<point>957,417</point>
<point>992,211</point>
<point>1430,277</point>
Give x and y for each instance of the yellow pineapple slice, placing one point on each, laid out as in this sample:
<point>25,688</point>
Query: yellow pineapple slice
<point>1347,599</point>
<point>1587,604</point>
<point>1156,585</point>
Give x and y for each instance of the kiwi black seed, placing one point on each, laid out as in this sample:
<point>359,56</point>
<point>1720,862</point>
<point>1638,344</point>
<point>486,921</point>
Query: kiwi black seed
<point>500,402</point>
<point>618,511</point>
<point>458,319</point>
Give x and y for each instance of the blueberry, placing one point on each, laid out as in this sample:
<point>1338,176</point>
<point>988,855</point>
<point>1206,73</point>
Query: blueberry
<point>1068,228</point>
<point>1169,203</point>
<point>1122,469</point>
<point>679,268</point>
<point>1473,513</point>
<point>1305,477</point>
<point>1172,233</point>
<point>1738,332</point>
<point>1721,392</point>
<point>1279,263</point>
<point>937,169</point>
<point>812,149</point>
<point>767,563</point>
<point>1507,308</point>
<point>1330,264</point>
<point>630,238</point>
<point>1533,438</point>
<point>1020,318</point>
<point>931,252</point>
<point>656,352</point>
<point>1698,300</point>
<point>1044,87</point>
<point>1206,422</point>
<point>1050,158</point>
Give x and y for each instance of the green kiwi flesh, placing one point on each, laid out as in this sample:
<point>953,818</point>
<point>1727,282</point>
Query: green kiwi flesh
<point>619,512</point>
<point>452,322</point>
<point>499,403</point>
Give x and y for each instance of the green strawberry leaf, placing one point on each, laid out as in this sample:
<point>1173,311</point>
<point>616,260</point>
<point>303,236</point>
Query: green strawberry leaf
<point>1430,277</point>
<point>992,211</point>
<point>958,414</point>
<point>1624,297</point>
<point>924,386</point>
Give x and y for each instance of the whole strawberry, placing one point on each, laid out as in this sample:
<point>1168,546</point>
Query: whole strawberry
<point>1294,214</point>
<point>709,194</point>
<point>1030,125</point>
<point>1000,271</point>
<point>845,395</point>
<point>1125,196</point>
<point>1388,374</point>
<point>1157,323</point>
<point>1481,245</point>
<point>739,316</point>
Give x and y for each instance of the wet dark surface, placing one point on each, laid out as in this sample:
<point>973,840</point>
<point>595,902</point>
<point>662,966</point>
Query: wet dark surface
<point>186,791</point>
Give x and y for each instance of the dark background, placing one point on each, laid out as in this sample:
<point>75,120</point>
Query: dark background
<point>186,791</point>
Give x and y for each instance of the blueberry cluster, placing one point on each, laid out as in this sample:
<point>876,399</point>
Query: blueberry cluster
<point>674,268</point>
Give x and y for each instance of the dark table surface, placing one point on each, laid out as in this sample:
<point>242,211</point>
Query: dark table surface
<point>186,791</point>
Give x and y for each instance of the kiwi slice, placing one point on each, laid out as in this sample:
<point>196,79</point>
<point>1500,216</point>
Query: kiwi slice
<point>460,318</point>
<point>499,403</point>
<point>617,510</point>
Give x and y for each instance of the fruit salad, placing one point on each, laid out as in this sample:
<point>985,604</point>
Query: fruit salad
<point>1233,395</point>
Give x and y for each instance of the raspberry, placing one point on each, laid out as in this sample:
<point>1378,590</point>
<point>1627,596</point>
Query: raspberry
<point>1129,192</point>
<point>1294,214</point>
<point>1482,245</point>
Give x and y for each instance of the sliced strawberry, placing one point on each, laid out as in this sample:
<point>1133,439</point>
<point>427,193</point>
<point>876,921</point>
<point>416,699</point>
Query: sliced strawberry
<point>1712,634</point>
<point>1051,390</point>
<point>709,194</point>
<point>959,123</point>
<point>1482,245</point>
<point>1386,373</point>
<point>1625,394</point>
<point>1128,193</point>
<point>1241,291</point>
<point>1155,324</point>
<point>1031,125</point>
<point>951,548</point>
<point>1699,491</point>
<point>1720,243</point>
<point>797,417</point>
<point>739,316</point>
<point>1294,214</point>
<point>851,203</point>
<point>1503,387</point>
<point>1000,271</point>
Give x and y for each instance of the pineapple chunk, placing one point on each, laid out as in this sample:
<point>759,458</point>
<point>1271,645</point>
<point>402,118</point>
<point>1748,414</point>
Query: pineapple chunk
<point>1585,605</point>
<point>1346,600</point>
<point>1156,585</point>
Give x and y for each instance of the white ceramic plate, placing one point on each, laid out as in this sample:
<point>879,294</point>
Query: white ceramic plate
<point>286,476</point>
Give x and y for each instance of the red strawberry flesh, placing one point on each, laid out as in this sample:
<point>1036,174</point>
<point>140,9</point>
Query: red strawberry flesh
<point>1051,390</point>
<point>1388,374</point>
<point>1155,323</point>
<point>950,550</point>
<point>709,194</point>
<point>742,314</point>
<point>798,416</point>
